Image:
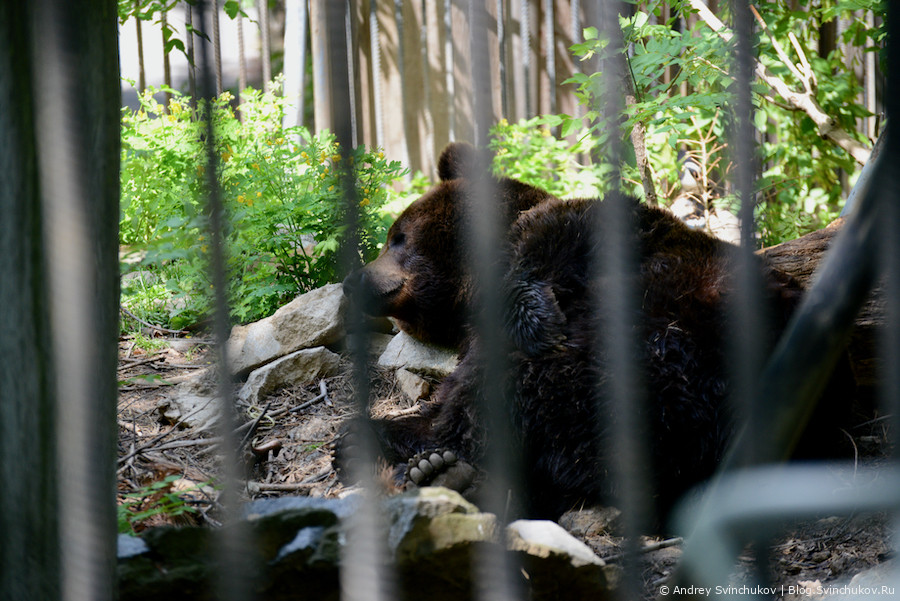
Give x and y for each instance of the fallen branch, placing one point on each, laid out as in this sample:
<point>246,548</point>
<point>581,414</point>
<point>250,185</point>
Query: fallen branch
<point>648,548</point>
<point>253,425</point>
<point>156,439</point>
<point>323,396</point>
<point>150,325</point>
<point>196,442</point>
<point>256,487</point>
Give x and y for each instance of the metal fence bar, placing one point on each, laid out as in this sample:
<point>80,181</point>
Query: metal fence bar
<point>364,574</point>
<point>615,259</point>
<point>77,184</point>
<point>234,577</point>
<point>494,574</point>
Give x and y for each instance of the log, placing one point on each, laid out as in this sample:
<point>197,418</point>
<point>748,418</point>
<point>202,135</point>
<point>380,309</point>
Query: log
<point>800,258</point>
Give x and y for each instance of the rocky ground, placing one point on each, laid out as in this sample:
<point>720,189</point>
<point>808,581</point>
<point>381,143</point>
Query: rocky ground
<point>165,454</point>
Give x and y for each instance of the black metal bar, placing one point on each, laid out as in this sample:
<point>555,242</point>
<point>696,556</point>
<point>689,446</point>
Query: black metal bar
<point>234,575</point>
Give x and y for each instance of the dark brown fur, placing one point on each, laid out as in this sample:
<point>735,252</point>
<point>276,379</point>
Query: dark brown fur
<point>559,377</point>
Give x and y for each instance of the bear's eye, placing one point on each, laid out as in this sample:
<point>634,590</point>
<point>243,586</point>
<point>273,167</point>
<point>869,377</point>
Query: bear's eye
<point>398,239</point>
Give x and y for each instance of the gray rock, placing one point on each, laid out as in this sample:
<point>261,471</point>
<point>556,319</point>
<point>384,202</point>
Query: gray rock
<point>194,410</point>
<point>310,320</point>
<point>404,351</point>
<point>295,368</point>
<point>130,546</point>
<point>435,536</point>
<point>294,548</point>
<point>413,386</point>
<point>559,566</point>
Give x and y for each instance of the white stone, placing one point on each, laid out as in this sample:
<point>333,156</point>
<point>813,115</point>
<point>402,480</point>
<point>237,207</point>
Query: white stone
<point>404,351</point>
<point>298,367</point>
<point>310,320</point>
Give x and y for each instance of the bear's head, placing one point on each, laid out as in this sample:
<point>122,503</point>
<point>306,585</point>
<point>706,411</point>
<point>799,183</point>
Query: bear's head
<point>422,278</point>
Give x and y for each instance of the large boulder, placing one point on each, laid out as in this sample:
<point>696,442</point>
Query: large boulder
<point>310,320</point>
<point>406,352</point>
<point>298,367</point>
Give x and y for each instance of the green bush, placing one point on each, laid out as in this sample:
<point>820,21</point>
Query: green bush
<point>800,186</point>
<point>283,197</point>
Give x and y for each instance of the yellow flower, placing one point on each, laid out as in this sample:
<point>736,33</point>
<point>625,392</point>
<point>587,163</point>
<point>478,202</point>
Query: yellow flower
<point>175,107</point>
<point>304,155</point>
<point>331,188</point>
<point>380,155</point>
<point>259,194</point>
<point>241,199</point>
<point>255,166</point>
<point>279,141</point>
<point>364,202</point>
<point>503,122</point>
<point>335,158</point>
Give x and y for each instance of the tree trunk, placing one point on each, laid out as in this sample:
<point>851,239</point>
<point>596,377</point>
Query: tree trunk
<point>58,298</point>
<point>800,258</point>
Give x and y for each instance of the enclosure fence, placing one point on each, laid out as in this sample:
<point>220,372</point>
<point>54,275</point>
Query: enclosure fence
<point>749,499</point>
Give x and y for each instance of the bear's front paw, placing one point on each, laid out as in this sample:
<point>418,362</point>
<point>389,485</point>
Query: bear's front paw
<point>440,467</point>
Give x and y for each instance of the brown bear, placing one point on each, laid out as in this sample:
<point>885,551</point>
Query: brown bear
<point>558,377</point>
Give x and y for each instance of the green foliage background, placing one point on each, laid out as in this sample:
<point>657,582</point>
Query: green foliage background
<point>283,195</point>
<point>802,176</point>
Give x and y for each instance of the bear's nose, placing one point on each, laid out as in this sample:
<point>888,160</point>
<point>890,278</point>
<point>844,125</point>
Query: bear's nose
<point>353,282</point>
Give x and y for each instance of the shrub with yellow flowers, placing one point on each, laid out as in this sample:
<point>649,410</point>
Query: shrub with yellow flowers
<point>284,195</point>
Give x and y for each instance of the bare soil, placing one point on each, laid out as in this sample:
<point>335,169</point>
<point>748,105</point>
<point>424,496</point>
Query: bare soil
<point>287,453</point>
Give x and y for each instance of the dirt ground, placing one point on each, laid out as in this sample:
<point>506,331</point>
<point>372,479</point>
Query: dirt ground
<point>285,453</point>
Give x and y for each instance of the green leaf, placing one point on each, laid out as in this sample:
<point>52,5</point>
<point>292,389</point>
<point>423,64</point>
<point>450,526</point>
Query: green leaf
<point>232,8</point>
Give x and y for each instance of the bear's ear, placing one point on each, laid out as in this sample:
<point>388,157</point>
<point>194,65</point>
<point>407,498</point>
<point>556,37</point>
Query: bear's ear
<point>534,320</point>
<point>462,160</point>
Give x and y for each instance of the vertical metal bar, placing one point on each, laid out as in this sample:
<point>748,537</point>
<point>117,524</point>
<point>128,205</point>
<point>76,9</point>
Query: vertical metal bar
<point>615,260</point>
<point>746,354</point>
<point>494,573</point>
<point>890,254</point>
<point>233,577</point>
<point>217,45</point>
<point>363,575</point>
<point>78,261</point>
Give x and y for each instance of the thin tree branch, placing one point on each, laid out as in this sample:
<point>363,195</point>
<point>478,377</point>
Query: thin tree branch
<point>804,101</point>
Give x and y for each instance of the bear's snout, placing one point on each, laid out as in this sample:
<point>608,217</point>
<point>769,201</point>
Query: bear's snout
<point>352,283</point>
<point>373,291</point>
